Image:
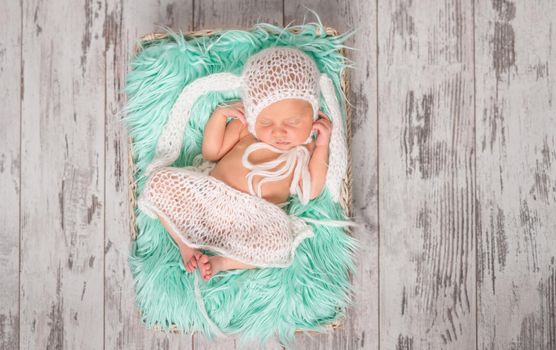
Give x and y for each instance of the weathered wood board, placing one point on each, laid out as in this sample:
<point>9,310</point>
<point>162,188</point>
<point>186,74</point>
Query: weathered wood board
<point>62,175</point>
<point>427,196</point>
<point>10,181</point>
<point>516,174</point>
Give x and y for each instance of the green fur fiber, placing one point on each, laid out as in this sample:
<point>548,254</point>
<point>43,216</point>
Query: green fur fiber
<point>260,303</point>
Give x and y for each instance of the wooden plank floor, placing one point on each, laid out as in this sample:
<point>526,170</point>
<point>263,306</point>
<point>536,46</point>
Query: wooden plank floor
<point>454,161</point>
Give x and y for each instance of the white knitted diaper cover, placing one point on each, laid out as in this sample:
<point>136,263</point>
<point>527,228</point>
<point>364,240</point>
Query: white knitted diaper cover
<point>208,214</point>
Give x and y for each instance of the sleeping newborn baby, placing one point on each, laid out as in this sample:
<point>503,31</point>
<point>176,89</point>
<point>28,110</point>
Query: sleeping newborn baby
<point>284,124</point>
<point>256,153</point>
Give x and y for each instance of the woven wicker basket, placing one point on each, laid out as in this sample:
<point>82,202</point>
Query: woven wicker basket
<point>346,196</point>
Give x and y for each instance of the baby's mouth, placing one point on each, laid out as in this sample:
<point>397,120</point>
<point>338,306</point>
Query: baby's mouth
<point>282,143</point>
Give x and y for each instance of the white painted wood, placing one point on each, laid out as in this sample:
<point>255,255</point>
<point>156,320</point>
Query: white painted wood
<point>426,175</point>
<point>243,14</point>
<point>62,175</point>
<point>10,155</point>
<point>516,174</point>
<point>126,22</point>
<point>360,327</point>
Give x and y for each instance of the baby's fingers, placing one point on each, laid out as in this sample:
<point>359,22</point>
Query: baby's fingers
<point>241,118</point>
<point>322,125</point>
<point>321,129</point>
<point>235,114</point>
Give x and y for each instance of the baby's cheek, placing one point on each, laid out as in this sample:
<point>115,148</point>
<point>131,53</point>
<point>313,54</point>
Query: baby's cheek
<point>265,136</point>
<point>267,133</point>
<point>305,132</point>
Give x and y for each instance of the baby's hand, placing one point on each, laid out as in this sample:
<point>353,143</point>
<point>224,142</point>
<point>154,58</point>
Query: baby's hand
<point>234,111</point>
<point>323,126</point>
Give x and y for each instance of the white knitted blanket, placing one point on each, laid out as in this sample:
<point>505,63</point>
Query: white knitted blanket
<point>208,214</point>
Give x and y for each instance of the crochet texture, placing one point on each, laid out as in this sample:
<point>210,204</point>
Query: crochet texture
<point>208,214</point>
<point>278,73</point>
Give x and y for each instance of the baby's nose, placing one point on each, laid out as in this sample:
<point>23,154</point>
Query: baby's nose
<point>278,131</point>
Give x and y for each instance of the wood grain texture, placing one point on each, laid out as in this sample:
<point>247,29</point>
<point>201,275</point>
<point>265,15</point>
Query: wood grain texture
<point>360,328</point>
<point>10,155</point>
<point>426,175</point>
<point>62,175</point>
<point>127,21</point>
<point>243,14</point>
<point>516,174</point>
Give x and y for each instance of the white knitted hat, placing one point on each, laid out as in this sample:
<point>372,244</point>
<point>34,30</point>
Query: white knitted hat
<point>278,73</point>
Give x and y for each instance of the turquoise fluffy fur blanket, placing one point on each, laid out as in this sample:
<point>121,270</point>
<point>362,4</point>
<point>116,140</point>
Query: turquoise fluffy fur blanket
<point>256,304</point>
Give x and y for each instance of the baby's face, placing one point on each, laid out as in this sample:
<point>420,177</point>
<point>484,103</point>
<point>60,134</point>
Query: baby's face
<point>285,123</point>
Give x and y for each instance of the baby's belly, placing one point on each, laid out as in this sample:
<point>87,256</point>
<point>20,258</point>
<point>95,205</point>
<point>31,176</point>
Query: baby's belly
<point>235,177</point>
<point>231,178</point>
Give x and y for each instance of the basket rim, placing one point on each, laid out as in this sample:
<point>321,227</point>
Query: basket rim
<point>330,31</point>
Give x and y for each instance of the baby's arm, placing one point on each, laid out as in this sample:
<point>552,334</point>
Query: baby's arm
<point>318,164</point>
<point>218,137</point>
<point>318,167</point>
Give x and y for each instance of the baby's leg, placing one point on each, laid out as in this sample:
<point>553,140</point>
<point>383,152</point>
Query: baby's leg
<point>188,254</point>
<point>211,265</point>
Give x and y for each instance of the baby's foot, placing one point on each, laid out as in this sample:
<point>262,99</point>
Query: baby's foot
<point>210,265</point>
<point>191,265</point>
<point>189,257</point>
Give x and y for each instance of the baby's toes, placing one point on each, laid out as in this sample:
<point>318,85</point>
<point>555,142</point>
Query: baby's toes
<point>204,265</point>
<point>203,259</point>
<point>195,259</point>
<point>207,276</point>
<point>208,270</point>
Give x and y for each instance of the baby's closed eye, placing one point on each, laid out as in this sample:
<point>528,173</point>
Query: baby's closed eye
<point>292,121</point>
<point>266,123</point>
